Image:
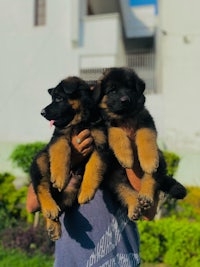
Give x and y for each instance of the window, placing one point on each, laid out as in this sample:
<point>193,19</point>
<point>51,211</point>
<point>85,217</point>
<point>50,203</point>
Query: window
<point>40,12</point>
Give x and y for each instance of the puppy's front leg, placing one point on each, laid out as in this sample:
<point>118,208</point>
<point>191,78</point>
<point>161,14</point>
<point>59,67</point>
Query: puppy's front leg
<point>121,146</point>
<point>147,191</point>
<point>60,154</point>
<point>93,176</point>
<point>126,194</point>
<point>49,207</point>
<point>54,229</point>
<point>146,142</point>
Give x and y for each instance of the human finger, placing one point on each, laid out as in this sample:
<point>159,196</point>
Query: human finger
<point>87,151</point>
<point>80,138</point>
<point>85,144</point>
<point>83,135</point>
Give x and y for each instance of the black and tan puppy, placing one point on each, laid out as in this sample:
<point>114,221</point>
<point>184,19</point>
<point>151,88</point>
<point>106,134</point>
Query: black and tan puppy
<point>72,110</point>
<point>121,100</point>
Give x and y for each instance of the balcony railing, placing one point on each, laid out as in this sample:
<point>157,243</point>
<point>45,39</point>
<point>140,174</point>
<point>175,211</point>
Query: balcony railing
<point>143,62</point>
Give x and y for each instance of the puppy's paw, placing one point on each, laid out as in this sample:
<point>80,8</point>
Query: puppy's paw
<point>150,165</point>
<point>51,211</point>
<point>58,182</point>
<point>145,202</point>
<point>54,230</point>
<point>126,162</point>
<point>135,213</point>
<point>125,158</point>
<point>85,196</point>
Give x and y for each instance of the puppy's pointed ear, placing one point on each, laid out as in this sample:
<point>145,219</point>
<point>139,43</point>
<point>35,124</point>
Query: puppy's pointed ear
<point>140,85</point>
<point>50,91</point>
<point>70,85</point>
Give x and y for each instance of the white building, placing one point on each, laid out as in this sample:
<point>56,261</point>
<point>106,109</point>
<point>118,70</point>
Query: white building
<point>43,41</point>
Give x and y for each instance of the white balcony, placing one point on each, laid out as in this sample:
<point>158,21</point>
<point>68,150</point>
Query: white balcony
<point>102,43</point>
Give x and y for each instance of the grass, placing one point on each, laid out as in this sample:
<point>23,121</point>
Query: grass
<point>14,258</point>
<point>154,265</point>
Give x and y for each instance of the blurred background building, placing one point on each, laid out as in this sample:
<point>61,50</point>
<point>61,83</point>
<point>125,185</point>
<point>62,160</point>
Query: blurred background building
<point>43,41</point>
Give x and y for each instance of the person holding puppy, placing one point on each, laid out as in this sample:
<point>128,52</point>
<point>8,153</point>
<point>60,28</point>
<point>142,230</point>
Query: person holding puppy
<point>98,233</point>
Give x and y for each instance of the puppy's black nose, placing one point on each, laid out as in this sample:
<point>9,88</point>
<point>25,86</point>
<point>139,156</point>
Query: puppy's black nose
<point>125,99</point>
<point>43,112</point>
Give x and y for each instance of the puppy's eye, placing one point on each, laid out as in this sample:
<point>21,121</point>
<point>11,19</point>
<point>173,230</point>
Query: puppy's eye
<point>112,92</point>
<point>58,99</point>
<point>112,89</point>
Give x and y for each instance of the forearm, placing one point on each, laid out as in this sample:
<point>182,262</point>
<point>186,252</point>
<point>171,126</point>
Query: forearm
<point>32,204</point>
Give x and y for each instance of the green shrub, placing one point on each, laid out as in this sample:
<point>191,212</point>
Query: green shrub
<point>150,243</point>
<point>183,243</point>
<point>174,242</point>
<point>192,202</point>
<point>28,239</point>
<point>170,206</point>
<point>172,161</point>
<point>23,154</point>
<point>12,201</point>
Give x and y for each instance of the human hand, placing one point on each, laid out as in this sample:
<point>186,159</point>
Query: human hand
<point>82,146</point>
<point>82,142</point>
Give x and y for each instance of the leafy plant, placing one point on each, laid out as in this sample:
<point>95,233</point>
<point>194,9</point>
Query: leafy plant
<point>172,161</point>
<point>174,242</point>
<point>28,239</point>
<point>23,154</point>
<point>12,201</point>
<point>17,258</point>
<point>168,205</point>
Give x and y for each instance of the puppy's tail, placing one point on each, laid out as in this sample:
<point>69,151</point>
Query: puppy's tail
<point>172,187</point>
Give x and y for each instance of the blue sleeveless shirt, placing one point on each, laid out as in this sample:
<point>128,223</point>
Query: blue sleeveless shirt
<point>97,234</point>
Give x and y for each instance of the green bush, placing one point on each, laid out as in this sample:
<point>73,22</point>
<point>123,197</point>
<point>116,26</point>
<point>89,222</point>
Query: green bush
<point>170,206</point>
<point>183,243</point>
<point>23,154</point>
<point>28,239</point>
<point>12,201</point>
<point>172,161</point>
<point>174,242</point>
<point>191,203</point>
<point>150,243</point>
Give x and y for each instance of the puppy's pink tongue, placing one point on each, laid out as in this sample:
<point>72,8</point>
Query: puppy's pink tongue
<point>52,123</point>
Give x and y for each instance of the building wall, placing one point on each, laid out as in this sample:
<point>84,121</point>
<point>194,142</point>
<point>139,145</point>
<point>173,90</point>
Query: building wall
<point>179,65</point>
<point>32,60</point>
<point>180,54</point>
<point>102,44</point>
<point>36,58</point>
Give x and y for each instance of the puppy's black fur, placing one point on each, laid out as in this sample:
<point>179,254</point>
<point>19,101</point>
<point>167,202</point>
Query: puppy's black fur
<point>121,100</point>
<point>72,110</point>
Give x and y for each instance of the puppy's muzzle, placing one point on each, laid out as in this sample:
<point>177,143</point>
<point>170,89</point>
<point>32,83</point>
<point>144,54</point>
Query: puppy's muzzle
<point>125,98</point>
<point>43,112</point>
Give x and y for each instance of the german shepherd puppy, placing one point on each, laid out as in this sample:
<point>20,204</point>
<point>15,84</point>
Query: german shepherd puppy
<point>120,96</point>
<point>72,110</point>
